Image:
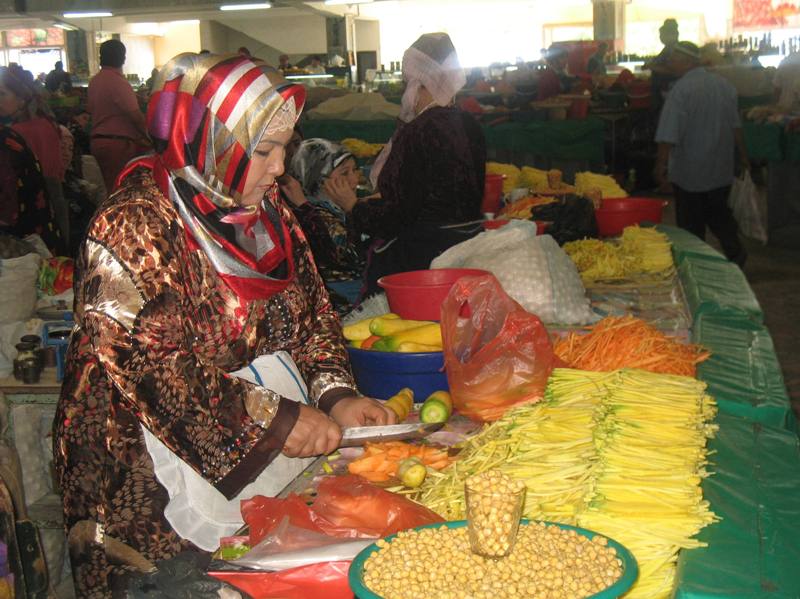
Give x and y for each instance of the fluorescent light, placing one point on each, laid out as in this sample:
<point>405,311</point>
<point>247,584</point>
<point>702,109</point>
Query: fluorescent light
<point>326,76</point>
<point>335,2</point>
<point>65,26</point>
<point>86,15</point>
<point>255,6</point>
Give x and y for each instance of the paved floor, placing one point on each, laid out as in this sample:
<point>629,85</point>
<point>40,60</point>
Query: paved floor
<point>774,275</point>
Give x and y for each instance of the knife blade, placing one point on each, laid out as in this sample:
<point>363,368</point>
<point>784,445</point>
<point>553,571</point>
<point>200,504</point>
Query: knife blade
<point>358,435</point>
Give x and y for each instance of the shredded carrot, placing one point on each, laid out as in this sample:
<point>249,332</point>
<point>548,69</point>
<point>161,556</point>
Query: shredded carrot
<point>629,342</point>
<point>380,460</point>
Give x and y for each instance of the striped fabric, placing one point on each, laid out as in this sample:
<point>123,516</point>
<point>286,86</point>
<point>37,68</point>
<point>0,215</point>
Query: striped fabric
<point>205,118</point>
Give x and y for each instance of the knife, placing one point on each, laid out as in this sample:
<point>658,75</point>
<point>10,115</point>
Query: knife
<point>358,435</point>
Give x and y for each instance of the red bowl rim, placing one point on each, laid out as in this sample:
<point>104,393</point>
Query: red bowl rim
<point>465,272</point>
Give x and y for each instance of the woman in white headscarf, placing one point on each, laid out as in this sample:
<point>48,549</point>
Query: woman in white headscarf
<point>430,176</point>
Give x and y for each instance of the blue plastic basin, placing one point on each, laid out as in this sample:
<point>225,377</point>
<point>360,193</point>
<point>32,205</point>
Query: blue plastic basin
<point>382,374</point>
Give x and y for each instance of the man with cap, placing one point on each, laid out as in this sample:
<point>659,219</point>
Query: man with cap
<point>431,174</point>
<point>698,133</point>
<point>661,78</point>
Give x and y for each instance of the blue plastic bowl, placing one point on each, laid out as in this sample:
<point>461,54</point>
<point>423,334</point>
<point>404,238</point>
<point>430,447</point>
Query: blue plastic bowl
<point>382,374</point>
<point>630,570</point>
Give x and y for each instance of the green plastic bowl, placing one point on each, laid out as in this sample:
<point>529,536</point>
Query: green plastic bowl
<point>630,571</point>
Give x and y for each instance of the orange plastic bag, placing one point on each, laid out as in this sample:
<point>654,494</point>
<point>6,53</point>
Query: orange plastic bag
<point>345,507</point>
<point>496,354</point>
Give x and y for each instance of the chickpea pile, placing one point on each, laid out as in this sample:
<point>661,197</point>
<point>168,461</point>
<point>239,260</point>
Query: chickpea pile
<point>545,563</point>
<point>494,505</point>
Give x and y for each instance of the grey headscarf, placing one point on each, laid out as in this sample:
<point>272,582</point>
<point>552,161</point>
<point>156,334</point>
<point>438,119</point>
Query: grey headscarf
<point>314,162</point>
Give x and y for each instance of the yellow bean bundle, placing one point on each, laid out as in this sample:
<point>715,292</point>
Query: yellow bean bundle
<point>622,453</point>
<point>640,251</point>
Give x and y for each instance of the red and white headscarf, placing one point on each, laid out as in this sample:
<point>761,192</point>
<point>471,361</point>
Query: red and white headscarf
<point>206,116</point>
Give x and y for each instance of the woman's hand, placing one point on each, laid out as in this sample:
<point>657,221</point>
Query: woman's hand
<point>339,190</point>
<point>313,434</point>
<point>361,411</point>
<point>292,190</point>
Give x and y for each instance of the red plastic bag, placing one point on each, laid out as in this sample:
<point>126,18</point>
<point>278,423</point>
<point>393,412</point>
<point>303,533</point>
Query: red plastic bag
<point>496,354</point>
<point>345,507</point>
<point>327,579</point>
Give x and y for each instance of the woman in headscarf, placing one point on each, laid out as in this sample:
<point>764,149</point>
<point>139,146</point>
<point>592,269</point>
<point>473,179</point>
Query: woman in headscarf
<point>318,170</point>
<point>430,176</point>
<point>192,275</point>
<point>23,103</point>
<point>24,206</point>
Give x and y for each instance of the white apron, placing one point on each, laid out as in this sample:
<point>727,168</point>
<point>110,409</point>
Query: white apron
<point>196,510</point>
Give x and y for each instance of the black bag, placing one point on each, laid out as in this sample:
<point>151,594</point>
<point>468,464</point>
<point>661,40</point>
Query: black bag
<point>571,218</point>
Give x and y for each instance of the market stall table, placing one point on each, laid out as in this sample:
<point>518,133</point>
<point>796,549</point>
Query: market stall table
<point>755,464</point>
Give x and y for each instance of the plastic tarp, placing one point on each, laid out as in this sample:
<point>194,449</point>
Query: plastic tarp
<point>711,285</point>
<point>764,141</point>
<point>743,373</point>
<point>753,552</point>
<point>687,245</point>
<point>574,139</point>
<point>557,140</point>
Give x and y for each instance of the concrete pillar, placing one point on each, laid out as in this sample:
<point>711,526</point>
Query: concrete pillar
<point>608,17</point>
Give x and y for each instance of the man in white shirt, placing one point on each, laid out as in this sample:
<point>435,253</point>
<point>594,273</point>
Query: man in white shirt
<point>698,133</point>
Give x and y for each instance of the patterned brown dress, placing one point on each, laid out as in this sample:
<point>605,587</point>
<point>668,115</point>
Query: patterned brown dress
<point>156,332</point>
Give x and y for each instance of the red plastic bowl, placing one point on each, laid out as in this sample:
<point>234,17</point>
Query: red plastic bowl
<point>617,213</point>
<point>418,294</point>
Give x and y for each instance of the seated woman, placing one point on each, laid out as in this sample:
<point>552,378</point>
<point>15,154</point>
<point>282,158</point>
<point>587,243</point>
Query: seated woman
<point>192,275</point>
<point>320,174</point>
<point>430,176</point>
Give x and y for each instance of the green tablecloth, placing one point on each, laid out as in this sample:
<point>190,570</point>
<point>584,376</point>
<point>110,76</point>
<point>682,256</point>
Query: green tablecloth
<point>753,551</point>
<point>770,142</point>
<point>765,142</point>
<point>559,140</point>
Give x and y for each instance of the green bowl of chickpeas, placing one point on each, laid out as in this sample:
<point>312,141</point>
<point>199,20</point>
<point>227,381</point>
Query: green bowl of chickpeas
<point>548,559</point>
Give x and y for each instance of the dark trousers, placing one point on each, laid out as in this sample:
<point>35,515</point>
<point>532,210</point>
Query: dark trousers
<point>695,211</point>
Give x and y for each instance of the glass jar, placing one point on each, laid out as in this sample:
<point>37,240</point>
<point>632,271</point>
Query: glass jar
<point>26,356</point>
<point>493,521</point>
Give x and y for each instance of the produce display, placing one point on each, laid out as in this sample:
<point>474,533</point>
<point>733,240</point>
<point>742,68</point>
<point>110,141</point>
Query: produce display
<point>380,461</point>
<point>587,181</point>
<point>628,342</point>
<point>640,251</point>
<point>622,453</point>
<point>437,563</point>
<point>389,332</point>
<point>522,208</point>
<point>360,148</point>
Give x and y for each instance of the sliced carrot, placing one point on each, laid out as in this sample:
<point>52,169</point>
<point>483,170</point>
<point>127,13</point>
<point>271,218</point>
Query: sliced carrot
<point>369,341</point>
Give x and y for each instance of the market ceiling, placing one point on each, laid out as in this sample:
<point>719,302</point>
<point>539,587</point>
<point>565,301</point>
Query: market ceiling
<point>42,13</point>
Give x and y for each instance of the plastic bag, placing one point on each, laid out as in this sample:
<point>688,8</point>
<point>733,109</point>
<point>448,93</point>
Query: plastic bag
<point>496,354</point>
<point>345,507</point>
<point>328,580</point>
<point>532,269</point>
<point>744,202</point>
